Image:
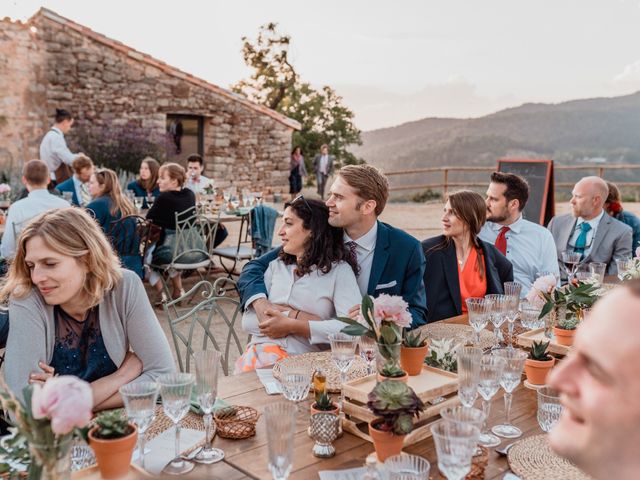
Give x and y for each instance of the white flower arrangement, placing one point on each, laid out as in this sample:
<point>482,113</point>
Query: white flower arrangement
<point>443,354</point>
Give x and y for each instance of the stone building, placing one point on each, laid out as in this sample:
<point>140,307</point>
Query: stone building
<point>51,62</point>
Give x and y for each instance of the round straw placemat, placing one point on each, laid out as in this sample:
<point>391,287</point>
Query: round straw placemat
<point>462,333</point>
<point>533,459</point>
<point>162,423</point>
<point>323,361</point>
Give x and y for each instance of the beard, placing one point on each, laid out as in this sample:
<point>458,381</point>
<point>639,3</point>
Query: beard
<point>495,218</point>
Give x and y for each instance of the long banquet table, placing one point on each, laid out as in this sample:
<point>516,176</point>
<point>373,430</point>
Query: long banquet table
<point>248,458</point>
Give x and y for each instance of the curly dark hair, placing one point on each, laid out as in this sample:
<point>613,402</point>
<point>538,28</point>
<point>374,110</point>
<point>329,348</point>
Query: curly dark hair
<point>324,246</point>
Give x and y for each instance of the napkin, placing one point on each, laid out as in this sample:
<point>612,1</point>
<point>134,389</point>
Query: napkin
<point>162,448</point>
<point>271,385</point>
<point>350,474</point>
<point>195,405</point>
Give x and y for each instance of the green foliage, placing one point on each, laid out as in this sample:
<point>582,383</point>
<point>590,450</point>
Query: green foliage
<point>426,195</point>
<point>112,424</point>
<point>574,297</point>
<point>538,351</point>
<point>443,355</point>
<point>414,339</point>
<point>276,84</point>
<point>324,402</point>
<point>396,403</point>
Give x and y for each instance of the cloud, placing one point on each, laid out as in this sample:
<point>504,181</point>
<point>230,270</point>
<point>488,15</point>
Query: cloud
<point>629,75</point>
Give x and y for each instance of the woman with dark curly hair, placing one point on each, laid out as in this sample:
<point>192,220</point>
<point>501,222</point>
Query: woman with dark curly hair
<point>312,281</point>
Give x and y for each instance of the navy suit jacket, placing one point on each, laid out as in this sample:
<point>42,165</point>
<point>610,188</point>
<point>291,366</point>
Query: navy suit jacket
<point>69,186</point>
<point>397,269</point>
<point>442,281</point>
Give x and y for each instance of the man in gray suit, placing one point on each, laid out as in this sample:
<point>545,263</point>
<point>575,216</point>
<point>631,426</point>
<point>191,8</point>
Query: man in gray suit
<point>589,230</point>
<point>322,166</point>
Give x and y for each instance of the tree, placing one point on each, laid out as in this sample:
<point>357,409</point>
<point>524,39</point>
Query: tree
<point>276,84</point>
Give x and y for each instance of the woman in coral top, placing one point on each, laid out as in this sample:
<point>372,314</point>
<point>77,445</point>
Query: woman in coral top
<point>459,264</point>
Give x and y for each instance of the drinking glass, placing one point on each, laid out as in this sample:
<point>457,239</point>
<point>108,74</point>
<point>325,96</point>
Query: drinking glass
<point>462,414</point>
<point>455,444</point>
<point>479,310</point>
<point>150,200</point>
<point>343,350</point>
<point>491,367</point>
<point>468,374</point>
<point>280,421</point>
<point>570,261</point>
<point>549,408</point>
<point>512,290</point>
<point>175,389</point>
<point>207,372</point>
<point>623,265</point>
<point>598,270</point>
<point>368,352</point>
<point>509,380</point>
<point>296,380</point>
<point>137,201</point>
<point>499,306</point>
<point>530,315</point>
<point>407,467</point>
<point>140,404</point>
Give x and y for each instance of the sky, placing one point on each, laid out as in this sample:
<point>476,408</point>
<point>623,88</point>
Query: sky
<point>392,61</point>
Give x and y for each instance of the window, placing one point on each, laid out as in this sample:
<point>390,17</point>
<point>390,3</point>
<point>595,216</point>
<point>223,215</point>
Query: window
<point>184,137</point>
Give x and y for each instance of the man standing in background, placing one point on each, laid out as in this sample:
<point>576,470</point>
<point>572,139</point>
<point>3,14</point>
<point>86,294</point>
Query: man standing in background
<point>322,166</point>
<point>53,149</point>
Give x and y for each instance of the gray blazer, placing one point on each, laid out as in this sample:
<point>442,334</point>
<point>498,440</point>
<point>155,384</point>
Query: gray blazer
<point>612,240</point>
<point>316,164</point>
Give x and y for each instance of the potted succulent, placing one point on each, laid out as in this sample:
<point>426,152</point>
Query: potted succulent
<point>394,404</point>
<point>392,371</point>
<point>324,404</point>
<point>113,440</point>
<point>539,363</point>
<point>413,352</point>
<point>565,330</point>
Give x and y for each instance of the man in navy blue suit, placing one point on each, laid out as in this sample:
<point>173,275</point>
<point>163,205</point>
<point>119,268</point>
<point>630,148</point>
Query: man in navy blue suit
<point>390,260</point>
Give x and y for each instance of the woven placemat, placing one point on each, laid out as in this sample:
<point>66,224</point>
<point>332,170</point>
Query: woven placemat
<point>462,333</point>
<point>162,423</point>
<point>323,361</point>
<point>532,459</point>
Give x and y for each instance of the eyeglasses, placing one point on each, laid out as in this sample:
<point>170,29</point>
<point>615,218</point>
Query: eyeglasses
<point>572,245</point>
<point>301,197</point>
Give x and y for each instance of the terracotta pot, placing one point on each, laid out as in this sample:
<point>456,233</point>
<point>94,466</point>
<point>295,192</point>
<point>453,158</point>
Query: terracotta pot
<point>114,455</point>
<point>412,359</point>
<point>404,378</point>
<point>537,370</point>
<point>334,411</point>
<point>386,443</point>
<point>564,337</point>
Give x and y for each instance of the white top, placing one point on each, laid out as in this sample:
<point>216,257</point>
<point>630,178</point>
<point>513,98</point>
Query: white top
<point>324,161</point>
<point>591,234</point>
<point>20,212</point>
<point>78,185</point>
<point>199,185</point>
<point>530,248</point>
<point>365,247</point>
<point>54,151</point>
<point>325,295</point>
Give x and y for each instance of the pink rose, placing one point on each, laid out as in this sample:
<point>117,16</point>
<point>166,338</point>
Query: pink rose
<point>392,308</point>
<point>638,252</point>
<point>66,400</point>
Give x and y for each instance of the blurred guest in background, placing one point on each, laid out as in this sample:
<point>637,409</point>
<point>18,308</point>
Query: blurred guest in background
<point>196,182</point>
<point>78,184</point>
<point>322,167</point>
<point>297,171</point>
<point>53,148</point>
<point>147,182</point>
<point>613,207</point>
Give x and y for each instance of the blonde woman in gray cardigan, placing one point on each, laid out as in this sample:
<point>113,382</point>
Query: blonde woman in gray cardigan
<point>74,311</point>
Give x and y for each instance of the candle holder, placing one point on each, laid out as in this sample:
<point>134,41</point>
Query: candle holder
<point>324,430</point>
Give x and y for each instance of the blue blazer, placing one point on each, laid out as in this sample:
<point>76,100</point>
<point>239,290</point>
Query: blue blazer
<point>397,269</point>
<point>442,281</point>
<point>69,186</point>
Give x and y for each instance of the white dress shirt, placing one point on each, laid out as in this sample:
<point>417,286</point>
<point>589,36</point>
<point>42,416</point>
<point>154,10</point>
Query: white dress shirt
<point>54,151</point>
<point>79,186</point>
<point>324,162</point>
<point>365,247</point>
<point>20,212</point>
<point>591,234</point>
<point>325,295</point>
<point>530,248</point>
<point>198,186</point>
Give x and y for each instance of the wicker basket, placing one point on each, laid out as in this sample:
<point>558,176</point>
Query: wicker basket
<point>236,422</point>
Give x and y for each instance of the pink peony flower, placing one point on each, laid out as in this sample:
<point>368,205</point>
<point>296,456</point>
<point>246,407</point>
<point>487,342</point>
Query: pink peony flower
<point>544,284</point>
<point>638,252</point>
<point>66,400</point>
<point>391,308</point>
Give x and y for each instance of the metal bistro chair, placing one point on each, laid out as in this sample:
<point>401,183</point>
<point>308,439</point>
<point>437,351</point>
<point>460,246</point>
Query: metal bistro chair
<point>130,236</point>
<point>214,307</point>
<point>243,250</point>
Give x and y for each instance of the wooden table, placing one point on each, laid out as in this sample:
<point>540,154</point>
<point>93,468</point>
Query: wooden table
<point>248,458</point>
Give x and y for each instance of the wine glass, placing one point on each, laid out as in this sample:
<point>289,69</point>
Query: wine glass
<point>549,408</point>
<point>468,373</point>
<point>509,380</point>
<point>499,305</point>
<point>296,380</point>
<point>140,404</point>
<point>455,444</point>
<point>570,261</point>
<point>368,352</point>
<point>623,265</point>
<point>175,389</point>
<point>343,350</point>
<point>280,421</point>
<point>479,310</point>
<point>407,467</point>
<point>207,371</point>
<point>138,201</point>
<point>150,200</point>
<point>226,194</point>
<point>491,367</point>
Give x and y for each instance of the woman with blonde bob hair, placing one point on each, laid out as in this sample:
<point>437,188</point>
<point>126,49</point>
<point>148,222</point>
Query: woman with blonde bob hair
<point>74,311</point>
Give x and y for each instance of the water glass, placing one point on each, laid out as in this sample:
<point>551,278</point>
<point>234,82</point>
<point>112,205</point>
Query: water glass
<point>296,380</point>
<point>140,404</point>
<point>368,352</point>
<point>407,467</point>
<point>207,371</point>
<point>175,389</point>
<point>509,380</point>
<point>530,315</point>
<point>280,421</point>
<point>468,374</point>
<point>455,445</point>
<point>343,351</point>
<point>513,290</point>
<point>491,367</point>
<point>598,270</point>
<point>479,310</point>
<point>138,202</point>
<point>623,265</point>
<point>499,313</point>
<point>549,408</point>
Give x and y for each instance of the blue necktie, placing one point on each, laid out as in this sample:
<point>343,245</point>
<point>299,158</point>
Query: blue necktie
<point>581,241</point>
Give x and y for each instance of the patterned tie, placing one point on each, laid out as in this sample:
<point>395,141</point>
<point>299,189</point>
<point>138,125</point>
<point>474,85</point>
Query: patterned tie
<point>501,240</point>
<point>581,241</point>
<point>353,255</point>
<point>85,196</point>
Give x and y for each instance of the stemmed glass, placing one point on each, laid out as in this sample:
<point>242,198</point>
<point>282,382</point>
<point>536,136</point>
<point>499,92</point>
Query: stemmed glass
<point>549,408</point>
<point>479,310</point>
<point>512,290</point>
<point>140,404</point>
<point>368,350</point>
<point>468,373</point>
<point>175,389</point>
<point>455,444</point>
<point>509,380</point>
<point>343,351</point>
<point>207,371</point>
<point>296,381</point>
<point>491,368</point>
<point>499,305</point>
<point>280,421</point>
<point>150,200</point>
<point>570,261</point>
<point>530,315</point>
<point>138,201</point>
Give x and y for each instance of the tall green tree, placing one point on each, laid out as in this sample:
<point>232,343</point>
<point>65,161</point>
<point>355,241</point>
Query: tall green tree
<point>276,84</point>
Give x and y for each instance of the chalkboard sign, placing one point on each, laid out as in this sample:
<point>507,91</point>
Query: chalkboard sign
<point>540,207</point>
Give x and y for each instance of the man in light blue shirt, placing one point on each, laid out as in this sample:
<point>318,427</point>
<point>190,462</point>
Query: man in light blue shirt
<point>78,184</point>
<point>53,148</point>
<point>527,245</point>
<point>35,178</point>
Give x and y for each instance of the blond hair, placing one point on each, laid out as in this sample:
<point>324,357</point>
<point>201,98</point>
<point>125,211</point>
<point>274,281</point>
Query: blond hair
<point>368,182</point>
<point>119,203</point>
<point>74,233</point>
<point>175,172</point>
